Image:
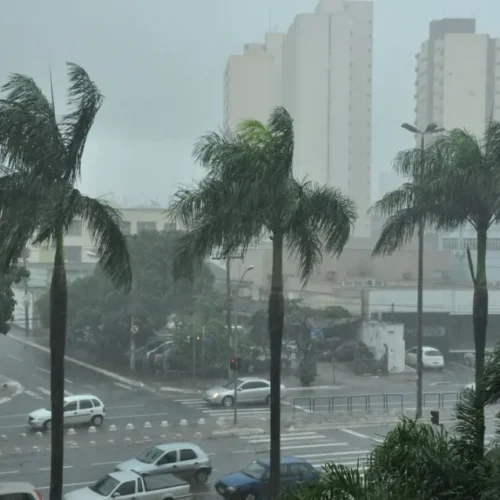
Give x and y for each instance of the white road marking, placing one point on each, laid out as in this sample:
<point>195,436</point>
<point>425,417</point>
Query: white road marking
<point>68,381</point>
<point>123,407</point>
<point>43,390</point>
<point>124,386</point>
<point>33,394</point>
<point>64,467</point>
<point>43,370</point>
<point>67,393</point>
<point>362,436</point>
<point>14,357</point>
<point>4,473</point>
<point>302,446</point>
<point>301,408</point>
<point>137,416</point>
<point>284,439</point>
<point>104,463</point>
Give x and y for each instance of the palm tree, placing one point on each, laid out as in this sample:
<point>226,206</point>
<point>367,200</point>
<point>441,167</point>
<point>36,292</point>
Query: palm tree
<point>250,190</point>
<point>460,186</point>
<point>43,156</point>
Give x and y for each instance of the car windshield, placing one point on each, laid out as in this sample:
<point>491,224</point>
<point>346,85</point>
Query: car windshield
<point>150,456</point>
<point>432,352</point>
<point>105,486</point>
<point>256,470</point>
<point>230,385</point>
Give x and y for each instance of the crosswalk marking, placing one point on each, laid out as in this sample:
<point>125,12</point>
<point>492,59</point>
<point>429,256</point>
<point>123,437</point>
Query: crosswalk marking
<point>33,394</point>
<point>362,436</point>
<point>202,406</point>
<point>319,449</point>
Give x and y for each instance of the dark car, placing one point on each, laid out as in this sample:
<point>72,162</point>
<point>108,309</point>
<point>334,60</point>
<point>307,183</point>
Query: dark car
<point>253,480</point>
<point>352,350</point>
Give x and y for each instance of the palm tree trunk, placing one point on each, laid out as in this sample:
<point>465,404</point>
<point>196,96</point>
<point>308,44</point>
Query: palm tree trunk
<point>276,322</point>
<point>480,316</point>
<point>58,314</point>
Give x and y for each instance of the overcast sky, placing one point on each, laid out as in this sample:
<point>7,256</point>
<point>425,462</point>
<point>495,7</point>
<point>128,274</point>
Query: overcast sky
<point>160,65</point>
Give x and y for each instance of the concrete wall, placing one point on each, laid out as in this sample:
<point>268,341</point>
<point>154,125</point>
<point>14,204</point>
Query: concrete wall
<point>377,336</point>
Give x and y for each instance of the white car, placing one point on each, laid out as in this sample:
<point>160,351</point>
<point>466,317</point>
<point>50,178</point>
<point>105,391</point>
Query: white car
<point>83,409</point>
<point>249,390</point>
<point>431,357</point>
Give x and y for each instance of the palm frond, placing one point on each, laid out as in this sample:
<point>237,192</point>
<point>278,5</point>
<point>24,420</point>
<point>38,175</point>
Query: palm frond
<point>398,230</point>
<point>281,144</point>
<point>317,215</point>
<point>84,101</point>
<point>470,428</point>
<point>29,135</point>
<point>104,225</point>
<point>253,131</point>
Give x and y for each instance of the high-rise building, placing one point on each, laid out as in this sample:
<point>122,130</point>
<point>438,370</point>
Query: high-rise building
<point>321,71</point>
<point>458,77</point>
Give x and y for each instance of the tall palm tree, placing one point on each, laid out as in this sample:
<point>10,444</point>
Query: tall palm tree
<point>38,199</point>
<point>460,186</point>
<point>249,191</point>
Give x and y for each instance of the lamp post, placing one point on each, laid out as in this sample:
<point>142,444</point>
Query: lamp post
<point>432,128</point>
<point>235,338</point>
<point>26,254</point>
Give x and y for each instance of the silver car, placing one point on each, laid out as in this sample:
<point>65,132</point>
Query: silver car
<point>186,460</point>
<point>249,390</point>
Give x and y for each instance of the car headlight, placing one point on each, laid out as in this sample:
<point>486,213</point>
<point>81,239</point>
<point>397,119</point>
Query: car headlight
<point>231,489</point>
<point>215,396</point>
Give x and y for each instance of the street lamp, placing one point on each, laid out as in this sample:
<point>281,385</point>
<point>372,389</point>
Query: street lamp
<point>235,334</point>
<point>432,128</point>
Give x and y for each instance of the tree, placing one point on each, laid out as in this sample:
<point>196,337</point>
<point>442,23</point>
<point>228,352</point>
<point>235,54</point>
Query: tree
<point>95,304</point>
<point>250,190</point>
<point>12,276</point>
<point>43,155</point>
<point>459,185</point>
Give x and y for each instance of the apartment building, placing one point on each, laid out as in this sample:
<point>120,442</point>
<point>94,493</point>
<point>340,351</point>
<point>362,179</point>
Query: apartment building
<point>321,71</point>
<point>457,77</point>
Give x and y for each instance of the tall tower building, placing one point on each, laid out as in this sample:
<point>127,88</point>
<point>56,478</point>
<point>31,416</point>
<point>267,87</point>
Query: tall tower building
<point>321,71</point>
<point>458,77</point>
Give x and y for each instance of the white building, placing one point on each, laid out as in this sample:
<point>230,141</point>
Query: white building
<point>321,71</point>
<point>458,76</point>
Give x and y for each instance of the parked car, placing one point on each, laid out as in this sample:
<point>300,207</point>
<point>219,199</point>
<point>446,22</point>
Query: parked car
<point>252,481</point>
<point>130,484</point>
<point>81,409</point>
<point>185,460</point>
<point>470,357</point>
<point>19,491</point>
<point>347,351</point>
<point>431,358</point>
<point>249,389</point>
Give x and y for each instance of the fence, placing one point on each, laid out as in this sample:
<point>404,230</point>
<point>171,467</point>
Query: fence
<point>369,402</point>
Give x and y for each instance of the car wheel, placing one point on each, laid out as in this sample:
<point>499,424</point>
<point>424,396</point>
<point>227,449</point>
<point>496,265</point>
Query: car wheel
<point>47,425</point>
<point>202,476</point>
<point>97,421</point>
<point>268,400</point>
<point>227,401</point>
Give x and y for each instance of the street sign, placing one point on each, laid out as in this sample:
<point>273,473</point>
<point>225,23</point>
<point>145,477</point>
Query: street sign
<point>134,329</point>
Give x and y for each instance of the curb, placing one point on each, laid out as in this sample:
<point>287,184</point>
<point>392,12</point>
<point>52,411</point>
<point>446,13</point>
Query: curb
<point>102,371</point>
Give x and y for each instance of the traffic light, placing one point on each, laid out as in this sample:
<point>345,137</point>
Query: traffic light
<point>435,417</point>
<point>234,364</point>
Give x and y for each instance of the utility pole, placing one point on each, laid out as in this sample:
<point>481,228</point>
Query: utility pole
<point>27,298</point>
<point>133,332</point>
<point>432,128</point>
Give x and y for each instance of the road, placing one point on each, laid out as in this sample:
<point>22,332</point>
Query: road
<point>85,463</point>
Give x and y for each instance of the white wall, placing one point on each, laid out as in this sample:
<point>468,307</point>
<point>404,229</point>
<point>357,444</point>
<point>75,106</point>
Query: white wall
<point>377,336</point>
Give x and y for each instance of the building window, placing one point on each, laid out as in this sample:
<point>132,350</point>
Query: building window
<point>126,227</point>
<point>146,226</point>
<point>169,226</point>
<point>73,254</point>
<point>75,228</point>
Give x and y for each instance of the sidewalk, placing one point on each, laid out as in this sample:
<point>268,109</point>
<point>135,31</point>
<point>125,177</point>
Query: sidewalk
<point>338,377</point>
